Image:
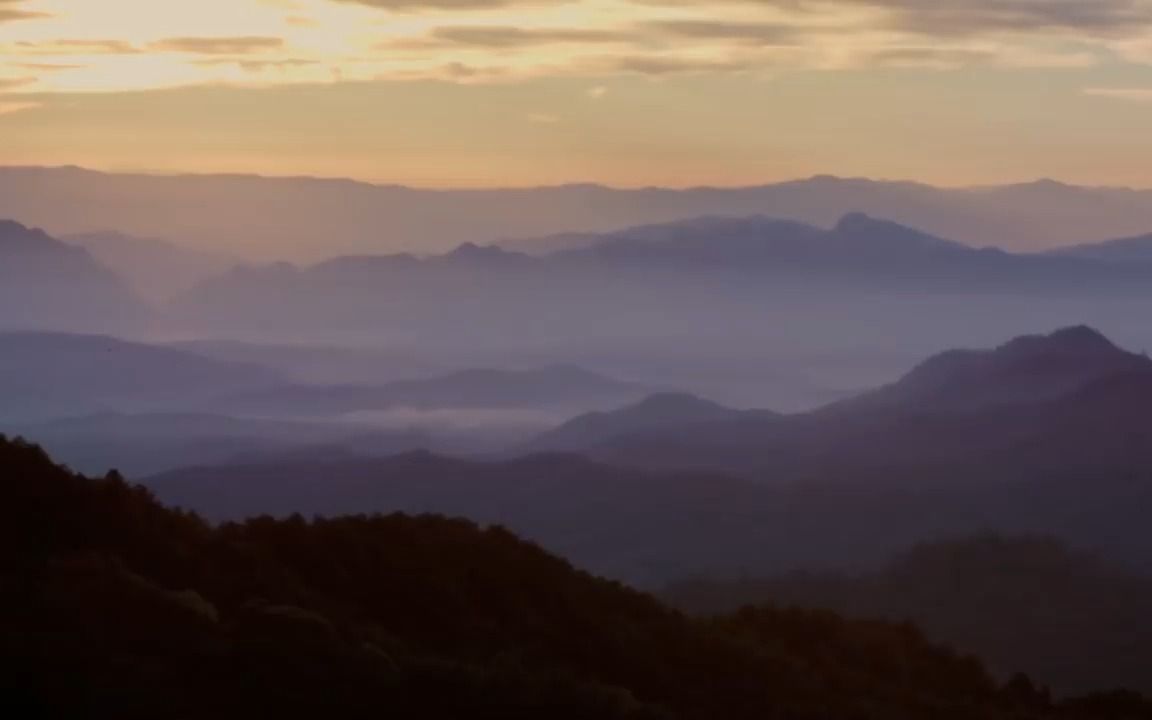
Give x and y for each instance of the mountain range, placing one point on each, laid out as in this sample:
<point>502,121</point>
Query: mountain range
<point>140,444</point>
<point>736,492</point>
<point>1037,402</point>
<point>808,286</point>
<point>744,310</point>
<point>308,219</point>
<point>1136,250</point>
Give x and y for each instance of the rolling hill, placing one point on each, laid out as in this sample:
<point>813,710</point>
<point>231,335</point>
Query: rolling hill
<point>46,375</point>
<point>655,413</point>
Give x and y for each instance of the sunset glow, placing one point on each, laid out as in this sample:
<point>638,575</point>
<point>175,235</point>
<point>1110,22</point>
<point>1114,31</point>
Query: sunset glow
<point>696,90</point>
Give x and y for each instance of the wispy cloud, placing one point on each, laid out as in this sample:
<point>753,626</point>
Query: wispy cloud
<point>673,64</point>
<point>256,66</point>
<point>441,5</point>
<point>218,45</point>
<point>934,17</point>
<point>46,67</point>
<point>76,46</point>
<point>10,12</point>
<point>507,36</point>
<point>922,57</point>
<point>1130,94</point>
<point>952,18</point>
<point>15,82</point>
<point>756,33</point>
<point>9,108</point>
<point>266,42</point>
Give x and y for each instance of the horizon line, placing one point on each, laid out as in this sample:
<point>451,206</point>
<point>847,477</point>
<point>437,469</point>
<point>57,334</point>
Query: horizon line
<point>387,184</point>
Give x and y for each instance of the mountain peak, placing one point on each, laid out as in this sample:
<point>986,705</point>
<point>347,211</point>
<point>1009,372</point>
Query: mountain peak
<point>17,235</point>
<point>1027,369</point>
<point>11,226</point>
<point>472,250</point>
<point>861,228</point>
<point>1077,339</point>
<point>857,221</point>
<point>657,412</point>
<point>674,402</point>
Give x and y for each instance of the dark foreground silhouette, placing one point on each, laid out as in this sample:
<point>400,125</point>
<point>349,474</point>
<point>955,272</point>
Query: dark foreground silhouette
<point>1020,603</point>
<point>117,606</point>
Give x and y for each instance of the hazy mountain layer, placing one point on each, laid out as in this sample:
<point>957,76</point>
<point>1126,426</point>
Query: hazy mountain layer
<point>46,284</point>
<point>302,218</point>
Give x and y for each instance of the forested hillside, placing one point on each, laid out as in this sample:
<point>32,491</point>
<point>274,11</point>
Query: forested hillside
<point>119,606</point>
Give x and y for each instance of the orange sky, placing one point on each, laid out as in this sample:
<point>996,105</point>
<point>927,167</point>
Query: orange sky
<point>627,92</point>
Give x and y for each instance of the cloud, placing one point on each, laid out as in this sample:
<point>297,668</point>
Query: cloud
<point>256,66</point>
<point>1131,94</point>
<point>673,65</point>
<point>506,36</point>
<point>953,18</point>
<point>756,33</point>
<point>10,13</point>
<point>13,83</point>
<point>8,108</point>
<point>934,17</point>
<point>919,57</point>
<point>48,67</point>
<point>543,118</point>
<point>77,47</point>
<point>410,5</point>
<point>597,92</point>
<point>218,45</point>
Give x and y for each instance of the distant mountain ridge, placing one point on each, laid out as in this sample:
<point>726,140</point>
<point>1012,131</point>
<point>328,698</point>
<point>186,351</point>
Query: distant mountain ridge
<point>653,414</point>
<point>248,215</point>
<point>1031,368</point>
<point>156,269</point>
<point>48,284</point>
<point>1123,250</point>
<point>832,488</point>
<point>626,281</point>
<point>1040,403</point>
<point>46,374</point>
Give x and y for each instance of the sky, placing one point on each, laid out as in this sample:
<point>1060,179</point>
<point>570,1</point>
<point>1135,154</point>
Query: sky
<point>471,93</point>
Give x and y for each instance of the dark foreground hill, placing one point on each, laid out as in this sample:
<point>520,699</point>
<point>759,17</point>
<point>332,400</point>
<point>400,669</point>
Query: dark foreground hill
<point>1021,603</point>
<point>117,606</point>
<point>650,528</point>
